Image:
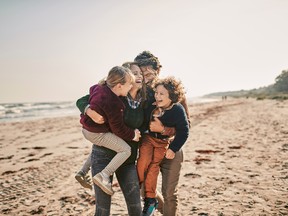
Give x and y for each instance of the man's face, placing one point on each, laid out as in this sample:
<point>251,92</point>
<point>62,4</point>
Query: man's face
<point>149,74</point>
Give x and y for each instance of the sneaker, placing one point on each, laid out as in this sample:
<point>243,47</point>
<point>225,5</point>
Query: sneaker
<point>83,180</point>
<point>150,205</point>
<point>103,183</point>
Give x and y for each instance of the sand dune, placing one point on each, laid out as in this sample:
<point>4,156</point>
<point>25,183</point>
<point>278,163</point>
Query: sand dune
<point>236,163</point>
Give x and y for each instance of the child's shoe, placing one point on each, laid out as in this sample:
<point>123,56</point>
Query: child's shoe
<point>83,180</point>
<point>150,205</point>
<point>103,183</point>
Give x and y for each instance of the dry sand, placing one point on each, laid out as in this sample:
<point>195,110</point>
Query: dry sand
<point>236,163</point>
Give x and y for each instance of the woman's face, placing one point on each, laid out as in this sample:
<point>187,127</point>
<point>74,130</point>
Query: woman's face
<point>162,97</point>
<point>138,76</point>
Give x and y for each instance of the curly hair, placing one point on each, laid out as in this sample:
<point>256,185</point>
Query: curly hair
<point>174,87</point>
<point>146,58</point>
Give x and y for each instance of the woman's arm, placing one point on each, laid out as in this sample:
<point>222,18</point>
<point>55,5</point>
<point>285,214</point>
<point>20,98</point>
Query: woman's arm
<point>83,105</point>
<point>97,118</point>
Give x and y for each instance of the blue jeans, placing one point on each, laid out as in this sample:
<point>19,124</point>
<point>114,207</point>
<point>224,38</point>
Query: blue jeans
<point>127,179</point>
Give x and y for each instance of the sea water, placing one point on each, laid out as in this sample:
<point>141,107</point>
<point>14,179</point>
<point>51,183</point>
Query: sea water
<point>25,111</point>
<point>28,111</point>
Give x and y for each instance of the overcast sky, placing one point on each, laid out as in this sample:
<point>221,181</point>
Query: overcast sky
<point>54,50</point>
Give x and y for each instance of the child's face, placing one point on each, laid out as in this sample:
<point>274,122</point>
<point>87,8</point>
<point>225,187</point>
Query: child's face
<point>162,97</point>
<point>125,88</point>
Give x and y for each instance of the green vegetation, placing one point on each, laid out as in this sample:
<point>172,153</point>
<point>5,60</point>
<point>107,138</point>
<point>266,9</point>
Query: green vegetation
<point>277,91</point>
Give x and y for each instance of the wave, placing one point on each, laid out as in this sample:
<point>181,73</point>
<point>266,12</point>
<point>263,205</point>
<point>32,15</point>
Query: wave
<point>24,111</point>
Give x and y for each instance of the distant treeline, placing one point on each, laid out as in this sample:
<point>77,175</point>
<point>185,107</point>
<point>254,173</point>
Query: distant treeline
<point>278,90</point>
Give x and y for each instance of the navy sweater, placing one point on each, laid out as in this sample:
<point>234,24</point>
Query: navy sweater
<point>174,117</point>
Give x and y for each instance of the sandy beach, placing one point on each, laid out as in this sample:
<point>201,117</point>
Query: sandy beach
<point>236,163</point>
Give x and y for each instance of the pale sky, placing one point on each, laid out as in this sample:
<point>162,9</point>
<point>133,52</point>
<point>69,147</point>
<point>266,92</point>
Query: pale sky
<point>54,50</point>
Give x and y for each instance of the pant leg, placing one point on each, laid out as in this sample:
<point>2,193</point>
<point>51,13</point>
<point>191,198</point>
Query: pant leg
<point>99,160</point>
<point>87,164</point>
<point>170,170</point>
<point>113,142</point>
<point>128,181</point>
<point>153,171</point>
<point>145,158</point>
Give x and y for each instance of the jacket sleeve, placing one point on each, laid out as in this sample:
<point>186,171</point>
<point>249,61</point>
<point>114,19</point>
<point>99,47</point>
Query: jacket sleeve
<point>116,123</point>
<point>182,129</point>
<point>82,103</point>
<point>185,105</point>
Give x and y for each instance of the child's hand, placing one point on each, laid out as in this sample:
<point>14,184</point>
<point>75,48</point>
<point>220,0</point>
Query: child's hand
<point>170,154</point>
<point>96,117</point>
<point>137,135</point>
<point>156,125</point>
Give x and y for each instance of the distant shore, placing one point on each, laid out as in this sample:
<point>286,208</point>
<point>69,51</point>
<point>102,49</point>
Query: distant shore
<point>235,163</point>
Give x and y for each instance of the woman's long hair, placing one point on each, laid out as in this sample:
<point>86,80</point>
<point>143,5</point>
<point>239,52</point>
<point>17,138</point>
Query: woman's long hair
<point>142,91</point>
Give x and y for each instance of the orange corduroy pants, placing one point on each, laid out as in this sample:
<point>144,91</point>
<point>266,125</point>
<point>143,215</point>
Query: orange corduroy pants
<point>151,153</point>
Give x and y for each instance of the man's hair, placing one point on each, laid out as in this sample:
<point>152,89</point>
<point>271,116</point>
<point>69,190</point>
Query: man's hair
<point>146,58</point>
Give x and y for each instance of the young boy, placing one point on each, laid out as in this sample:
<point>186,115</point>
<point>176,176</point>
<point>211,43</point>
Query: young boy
<point>155,146</point>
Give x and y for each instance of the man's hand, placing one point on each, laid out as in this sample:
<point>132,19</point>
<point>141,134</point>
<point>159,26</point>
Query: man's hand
<point>170,154</point>
<point>96,117</point>
<point>156,125</point>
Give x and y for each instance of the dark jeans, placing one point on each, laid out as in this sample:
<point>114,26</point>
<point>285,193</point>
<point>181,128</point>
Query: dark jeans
<point>127,179</point>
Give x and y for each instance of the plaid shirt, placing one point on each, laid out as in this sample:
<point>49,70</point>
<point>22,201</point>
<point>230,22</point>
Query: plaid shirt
<point>134,104</point>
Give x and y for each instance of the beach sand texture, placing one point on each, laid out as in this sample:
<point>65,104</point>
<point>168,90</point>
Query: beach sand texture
<point>236,163</point>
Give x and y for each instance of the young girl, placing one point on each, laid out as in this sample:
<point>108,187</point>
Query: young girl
<point>156,146</point>
<point>133,117</point>
<point>105,100</point>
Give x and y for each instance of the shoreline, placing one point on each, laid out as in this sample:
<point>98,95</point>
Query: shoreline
<point>21,112</point>
<point>235,163</point>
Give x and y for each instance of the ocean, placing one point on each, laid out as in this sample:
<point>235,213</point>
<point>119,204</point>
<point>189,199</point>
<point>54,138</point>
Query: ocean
<point>29,111</point>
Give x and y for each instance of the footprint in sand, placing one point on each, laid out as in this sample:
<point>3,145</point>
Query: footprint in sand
<point>32,159</point>
<point>193,175</point>
<point>39,147</point>
<point>7,158</point>
<point>199,160</point>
